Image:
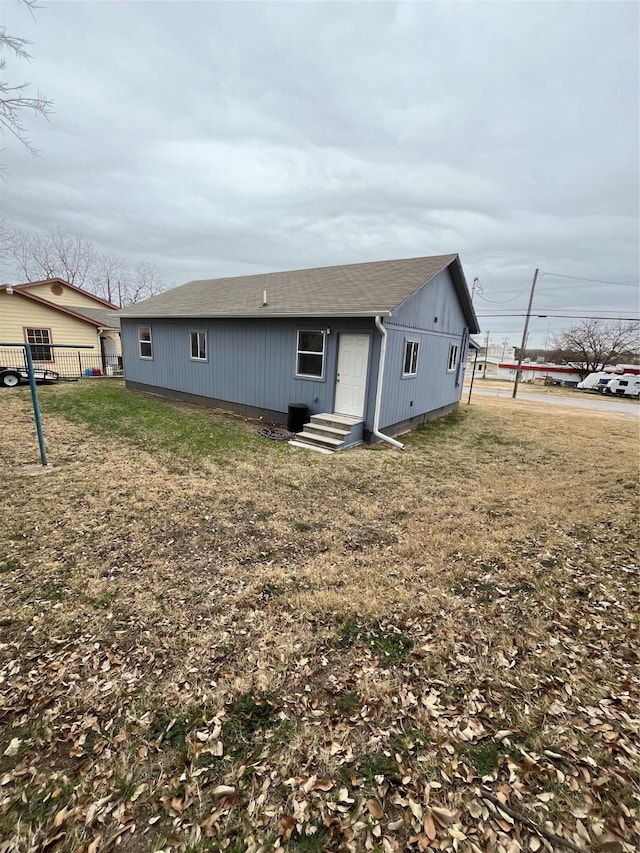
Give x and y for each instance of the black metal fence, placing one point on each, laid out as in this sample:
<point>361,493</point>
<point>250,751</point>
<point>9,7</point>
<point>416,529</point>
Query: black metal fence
<point>68,363</point>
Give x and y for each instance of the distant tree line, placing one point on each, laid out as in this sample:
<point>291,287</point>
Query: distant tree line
<point>57,254</point>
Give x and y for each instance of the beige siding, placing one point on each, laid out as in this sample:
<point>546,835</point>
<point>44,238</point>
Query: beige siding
<point>67,297</point>
<point>17,313</point>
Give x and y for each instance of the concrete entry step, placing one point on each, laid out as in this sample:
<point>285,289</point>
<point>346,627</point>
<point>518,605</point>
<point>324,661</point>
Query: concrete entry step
<point>322,429</point>
<point>306,446</point>
<point>336,419</point>
<point>329,432</point>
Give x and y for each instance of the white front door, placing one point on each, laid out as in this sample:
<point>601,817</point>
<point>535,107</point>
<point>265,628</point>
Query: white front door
<point>351,380</point>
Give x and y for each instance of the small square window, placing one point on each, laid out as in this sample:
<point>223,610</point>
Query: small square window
<point>310,354</point>
<point>411,349</point>
<point>198,346</point>
<point>144,341</point>
<point>453,358</point>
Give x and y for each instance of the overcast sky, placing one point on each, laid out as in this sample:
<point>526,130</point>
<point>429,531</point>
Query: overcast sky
<point>230,138</point>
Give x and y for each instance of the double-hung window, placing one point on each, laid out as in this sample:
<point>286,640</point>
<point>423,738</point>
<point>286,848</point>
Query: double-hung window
<point>198,346</point>
<point>453,358</point>
<point>40,340</point>
<point>144,341</point>
<point>411,349</point>
<point>310,354</point>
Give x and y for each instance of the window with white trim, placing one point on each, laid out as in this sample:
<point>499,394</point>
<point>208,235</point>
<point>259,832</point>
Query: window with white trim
<point>453,358</point>
<point>144,342</point>
<point>198,346</point>
<point>411,349</point>
<point>310,353</point>
<point>40,340</point>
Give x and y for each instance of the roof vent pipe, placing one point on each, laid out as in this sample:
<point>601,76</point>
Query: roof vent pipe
<point>376,415</point>
<point>264,298</point>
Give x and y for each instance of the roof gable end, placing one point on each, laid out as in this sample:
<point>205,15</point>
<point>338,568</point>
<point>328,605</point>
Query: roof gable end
<point>26,286</point>
<point>70,312</point>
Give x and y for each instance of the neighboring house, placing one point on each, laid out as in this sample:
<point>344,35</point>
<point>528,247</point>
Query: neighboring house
<point>367,347</point>
<point>484,366</point>
<point>53,315</point>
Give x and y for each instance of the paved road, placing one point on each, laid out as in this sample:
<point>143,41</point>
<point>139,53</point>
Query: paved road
<point>604,405</point>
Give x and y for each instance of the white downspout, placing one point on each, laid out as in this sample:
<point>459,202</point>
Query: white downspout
<point>376,415</point>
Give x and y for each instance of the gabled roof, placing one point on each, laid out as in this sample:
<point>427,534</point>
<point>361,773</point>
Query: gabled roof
<point>29,284</point>
<point>107,319</point>
<point>351,290</point>
<point>98,317</point>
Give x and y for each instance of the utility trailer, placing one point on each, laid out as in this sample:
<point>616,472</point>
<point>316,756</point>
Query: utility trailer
<point>12,376</point>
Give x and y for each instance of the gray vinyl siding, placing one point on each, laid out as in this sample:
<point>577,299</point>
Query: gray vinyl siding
<point>251,362</point>
<point>433,317</point>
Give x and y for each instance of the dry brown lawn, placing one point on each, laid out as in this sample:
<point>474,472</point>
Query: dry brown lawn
<point>266,648</point>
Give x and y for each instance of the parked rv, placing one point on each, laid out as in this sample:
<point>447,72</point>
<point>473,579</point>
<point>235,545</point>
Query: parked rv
<point>595,382</point>
<point>624,386</point>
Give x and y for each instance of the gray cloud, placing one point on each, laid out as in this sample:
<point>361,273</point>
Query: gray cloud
<point>217,138</point>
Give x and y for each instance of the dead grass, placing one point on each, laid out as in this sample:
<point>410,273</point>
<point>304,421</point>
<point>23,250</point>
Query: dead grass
<point>316,632</point>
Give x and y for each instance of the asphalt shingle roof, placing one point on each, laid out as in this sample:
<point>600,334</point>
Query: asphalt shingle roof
<point>106,317</point>
<point>349,290</point>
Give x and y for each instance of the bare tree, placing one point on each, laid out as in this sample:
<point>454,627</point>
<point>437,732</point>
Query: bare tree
<point>109,278</point>
<point>590,345</point>
<point>55,254</point>
<point>147,280</point>
<point>14,100</point>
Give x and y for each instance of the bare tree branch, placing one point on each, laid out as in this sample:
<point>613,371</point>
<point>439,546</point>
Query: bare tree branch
<point>57,254</point>
<point>14,102</point>
<point>147,280</point>
<point>591,345</point>
<point>109,278</point>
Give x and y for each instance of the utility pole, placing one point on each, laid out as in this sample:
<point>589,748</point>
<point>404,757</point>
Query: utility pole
<point>475,286</point>
<point>524,334</point>
<point>505,341</point>
<point>486,355</point>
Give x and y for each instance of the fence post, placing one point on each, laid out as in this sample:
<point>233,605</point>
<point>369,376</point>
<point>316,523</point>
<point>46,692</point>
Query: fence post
<point>36,405</point>
<point>80,363</point>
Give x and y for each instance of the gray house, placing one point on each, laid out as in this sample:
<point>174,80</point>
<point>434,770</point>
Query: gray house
<point>372,349</point>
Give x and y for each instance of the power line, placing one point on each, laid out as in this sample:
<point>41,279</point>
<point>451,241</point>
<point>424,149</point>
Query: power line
<point>518,293</point>
<point>594,280</point>
<point>565,316</point>
<point>589,284</point>
<point>503,301</point>
<point>562,309</point>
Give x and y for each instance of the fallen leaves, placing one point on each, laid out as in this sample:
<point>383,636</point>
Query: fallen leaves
<point>174,673</point>
<point>13,748</point>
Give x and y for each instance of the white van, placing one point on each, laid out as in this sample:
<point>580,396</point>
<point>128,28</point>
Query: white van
<point>595,382</point>
<point>624,386</point>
